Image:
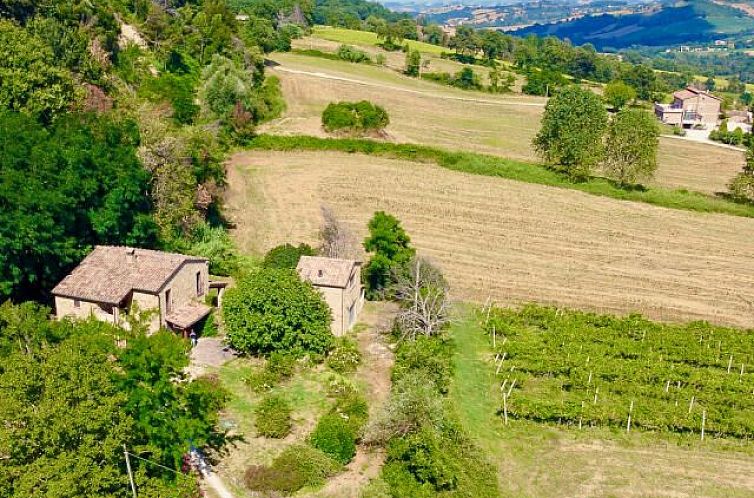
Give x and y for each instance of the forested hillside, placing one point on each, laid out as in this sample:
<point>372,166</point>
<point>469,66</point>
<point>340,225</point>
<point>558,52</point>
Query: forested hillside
<point>697,21</point>
<point>114,119</point>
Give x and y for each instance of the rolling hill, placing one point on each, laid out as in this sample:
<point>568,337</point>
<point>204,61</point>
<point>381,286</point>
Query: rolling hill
<point>696,21</point>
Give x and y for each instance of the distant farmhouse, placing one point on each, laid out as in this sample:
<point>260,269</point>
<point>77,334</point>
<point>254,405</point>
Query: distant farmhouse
<point>111,280</point>
<point>691,107</point>
<point>339,281</point>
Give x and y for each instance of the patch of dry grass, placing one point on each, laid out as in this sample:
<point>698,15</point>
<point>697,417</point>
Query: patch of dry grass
<point>511,241</point>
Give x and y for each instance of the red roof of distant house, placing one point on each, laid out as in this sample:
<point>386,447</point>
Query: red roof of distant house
<point>691,92</point>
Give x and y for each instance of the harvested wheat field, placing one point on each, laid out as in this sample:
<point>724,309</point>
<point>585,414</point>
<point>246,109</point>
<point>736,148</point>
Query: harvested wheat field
<point>511,241</point>
<point>431,114</point>
<point>697,166</point>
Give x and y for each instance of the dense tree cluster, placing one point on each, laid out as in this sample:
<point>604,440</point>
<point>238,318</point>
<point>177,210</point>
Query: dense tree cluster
<point>64,188</point>
<point>187,80</point>
<point>577,136</point>
<point>70,398</point>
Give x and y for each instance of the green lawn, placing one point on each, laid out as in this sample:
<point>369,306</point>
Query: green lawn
<point>353,37</point>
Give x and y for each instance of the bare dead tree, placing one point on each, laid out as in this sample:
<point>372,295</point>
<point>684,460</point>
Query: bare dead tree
<point>423,292</point>
<point>337,241</point>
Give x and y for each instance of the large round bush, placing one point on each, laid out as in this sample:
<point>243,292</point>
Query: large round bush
<point>334,437</point>
<point>273,310</point>
<point>354,117</point>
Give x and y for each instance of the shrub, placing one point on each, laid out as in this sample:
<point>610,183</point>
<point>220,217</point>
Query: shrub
<point>279,367</point>
<point>334,437</point>
<point>209,326</point>
<point>354,117</point>
<point>262,380</point>
<point>273,417</point>
<point>431,357</point>
<point>466,79</point>
<point>426,458</point>
<point>215,244</point>
<point>353,409</point>
<point>439,77</point>
<point>274,310</point>
<point>414,403</point>
<point>287,255</point>
<point>345,356</point>
<point>297,466</point>
<point>353,54</point>
<point>377,488</point>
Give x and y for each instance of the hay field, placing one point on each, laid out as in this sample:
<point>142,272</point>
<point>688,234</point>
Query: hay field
<point>511,241</point>
<point>431,114</point>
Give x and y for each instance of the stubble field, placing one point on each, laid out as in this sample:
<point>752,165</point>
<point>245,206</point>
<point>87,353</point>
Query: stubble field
<point>509,241</point>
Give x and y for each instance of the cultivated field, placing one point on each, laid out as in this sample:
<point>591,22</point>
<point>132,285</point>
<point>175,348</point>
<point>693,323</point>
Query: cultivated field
<point>432,114</point>
<point>544,460</point>
<point>511,241</point>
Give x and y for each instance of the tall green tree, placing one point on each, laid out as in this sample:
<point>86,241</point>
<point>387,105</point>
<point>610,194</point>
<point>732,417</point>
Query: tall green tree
<point>570,139</point>
<point>392,251</point>
<point>631,146</point>
<point>618,94</point>
<point>413,63</point>
<point>70,398</point>
<point>742,186</point>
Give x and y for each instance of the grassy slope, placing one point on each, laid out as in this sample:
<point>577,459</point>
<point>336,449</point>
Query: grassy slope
<point>353,37</point>
<point>487,165</point>
<point>539,460</point>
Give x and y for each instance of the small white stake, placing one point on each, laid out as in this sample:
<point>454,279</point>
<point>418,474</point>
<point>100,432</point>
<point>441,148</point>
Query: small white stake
<point>630,410</point>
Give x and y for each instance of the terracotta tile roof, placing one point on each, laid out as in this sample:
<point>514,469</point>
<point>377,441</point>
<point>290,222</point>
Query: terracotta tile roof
<point>187,315</point>
<point>110,273</point>
<point>685,94</point>
<point>691,92</point>
<point>326,272</point>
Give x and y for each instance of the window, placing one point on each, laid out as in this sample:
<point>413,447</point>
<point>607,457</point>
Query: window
<point>199,284</point>
<point>76,303</point>
<point>168,301</point>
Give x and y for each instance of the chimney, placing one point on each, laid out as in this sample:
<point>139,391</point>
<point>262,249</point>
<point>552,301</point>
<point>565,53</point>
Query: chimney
<point>320,273</point>
<point>131,256</point>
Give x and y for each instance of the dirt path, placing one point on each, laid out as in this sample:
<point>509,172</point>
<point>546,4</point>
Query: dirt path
<point>374,374</point>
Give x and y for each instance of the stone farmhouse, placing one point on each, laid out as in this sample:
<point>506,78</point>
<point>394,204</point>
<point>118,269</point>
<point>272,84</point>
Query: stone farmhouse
<point>111,280</point>
<point>339,281</point>
<point>690,108</point>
